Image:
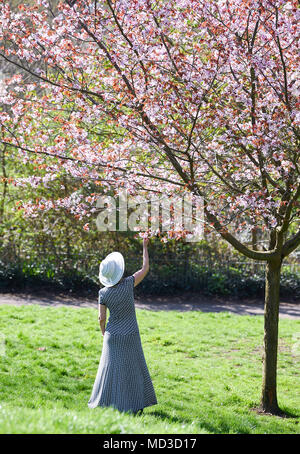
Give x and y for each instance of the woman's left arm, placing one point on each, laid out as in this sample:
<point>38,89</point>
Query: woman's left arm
<point>102,317</point>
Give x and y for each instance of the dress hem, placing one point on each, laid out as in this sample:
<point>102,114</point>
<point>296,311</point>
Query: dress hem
<point>131,410</point>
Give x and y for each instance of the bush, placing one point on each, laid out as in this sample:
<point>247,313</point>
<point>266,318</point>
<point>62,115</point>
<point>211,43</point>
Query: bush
<point>24,276</point>
<point>290,285</point>
<point>163,279</point>
<point>11,276</point>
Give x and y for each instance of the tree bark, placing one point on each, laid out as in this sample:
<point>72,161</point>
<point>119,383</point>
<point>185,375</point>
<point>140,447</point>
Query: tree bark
<point>269,402</point>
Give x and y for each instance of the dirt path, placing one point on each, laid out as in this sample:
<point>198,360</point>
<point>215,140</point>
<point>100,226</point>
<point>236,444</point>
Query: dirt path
<point>188,302</point>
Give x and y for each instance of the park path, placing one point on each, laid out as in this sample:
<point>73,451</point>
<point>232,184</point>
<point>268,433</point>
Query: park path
<point>188,302</point>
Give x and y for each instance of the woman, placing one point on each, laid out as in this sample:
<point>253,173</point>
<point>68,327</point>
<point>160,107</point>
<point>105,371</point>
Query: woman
<point>123,379</point>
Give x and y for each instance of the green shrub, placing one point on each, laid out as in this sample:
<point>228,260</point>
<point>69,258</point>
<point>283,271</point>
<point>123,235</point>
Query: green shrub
<point>163,279</point>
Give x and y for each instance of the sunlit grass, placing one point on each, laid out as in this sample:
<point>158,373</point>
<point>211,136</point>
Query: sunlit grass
<point>206,369</point>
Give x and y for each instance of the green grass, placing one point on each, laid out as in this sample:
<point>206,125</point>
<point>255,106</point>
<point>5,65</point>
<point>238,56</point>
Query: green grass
<point>206,369</point>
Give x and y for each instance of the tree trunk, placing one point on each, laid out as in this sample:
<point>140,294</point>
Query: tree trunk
<point>269,389</point>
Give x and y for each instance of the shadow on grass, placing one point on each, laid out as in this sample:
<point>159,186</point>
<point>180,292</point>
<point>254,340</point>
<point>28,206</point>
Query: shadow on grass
<point>166,417</point>
<point>288,414</point>
<point>221,426</point>
<point>283,413</point>
<point>218,422</point>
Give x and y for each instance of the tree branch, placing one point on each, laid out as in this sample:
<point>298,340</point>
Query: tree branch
<point>252,254</point>
<point>289,207</point>
<point>291,244</point>
<point>112,167</point>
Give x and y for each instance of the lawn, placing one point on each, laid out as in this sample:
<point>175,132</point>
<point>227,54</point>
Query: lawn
<point>206,370</point>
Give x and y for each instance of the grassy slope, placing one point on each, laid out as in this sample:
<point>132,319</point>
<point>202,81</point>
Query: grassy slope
<point>206,369</point>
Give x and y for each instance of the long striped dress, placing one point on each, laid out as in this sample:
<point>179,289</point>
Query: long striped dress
<point>123,380</point>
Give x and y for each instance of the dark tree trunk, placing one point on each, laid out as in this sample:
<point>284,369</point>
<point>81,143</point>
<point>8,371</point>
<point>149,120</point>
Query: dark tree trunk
<point>269,402</point>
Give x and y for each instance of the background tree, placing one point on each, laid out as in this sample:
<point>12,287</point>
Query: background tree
<point>167,97</point>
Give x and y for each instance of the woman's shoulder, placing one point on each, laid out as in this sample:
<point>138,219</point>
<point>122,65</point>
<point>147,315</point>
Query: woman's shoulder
<point>126,280</point>
<point>129,280</point>
<point>101,296</point>
<point>102,291</point>
<point>124,283</point>
<point>129,277</point>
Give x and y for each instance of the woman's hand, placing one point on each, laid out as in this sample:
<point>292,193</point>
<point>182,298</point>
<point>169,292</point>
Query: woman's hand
<point>145,242</point>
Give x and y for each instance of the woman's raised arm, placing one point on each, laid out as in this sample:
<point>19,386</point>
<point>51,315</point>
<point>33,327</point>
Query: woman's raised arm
<point>139,275</point>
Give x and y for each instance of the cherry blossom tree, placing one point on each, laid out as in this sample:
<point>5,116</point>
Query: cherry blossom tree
<point>155,96</point>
